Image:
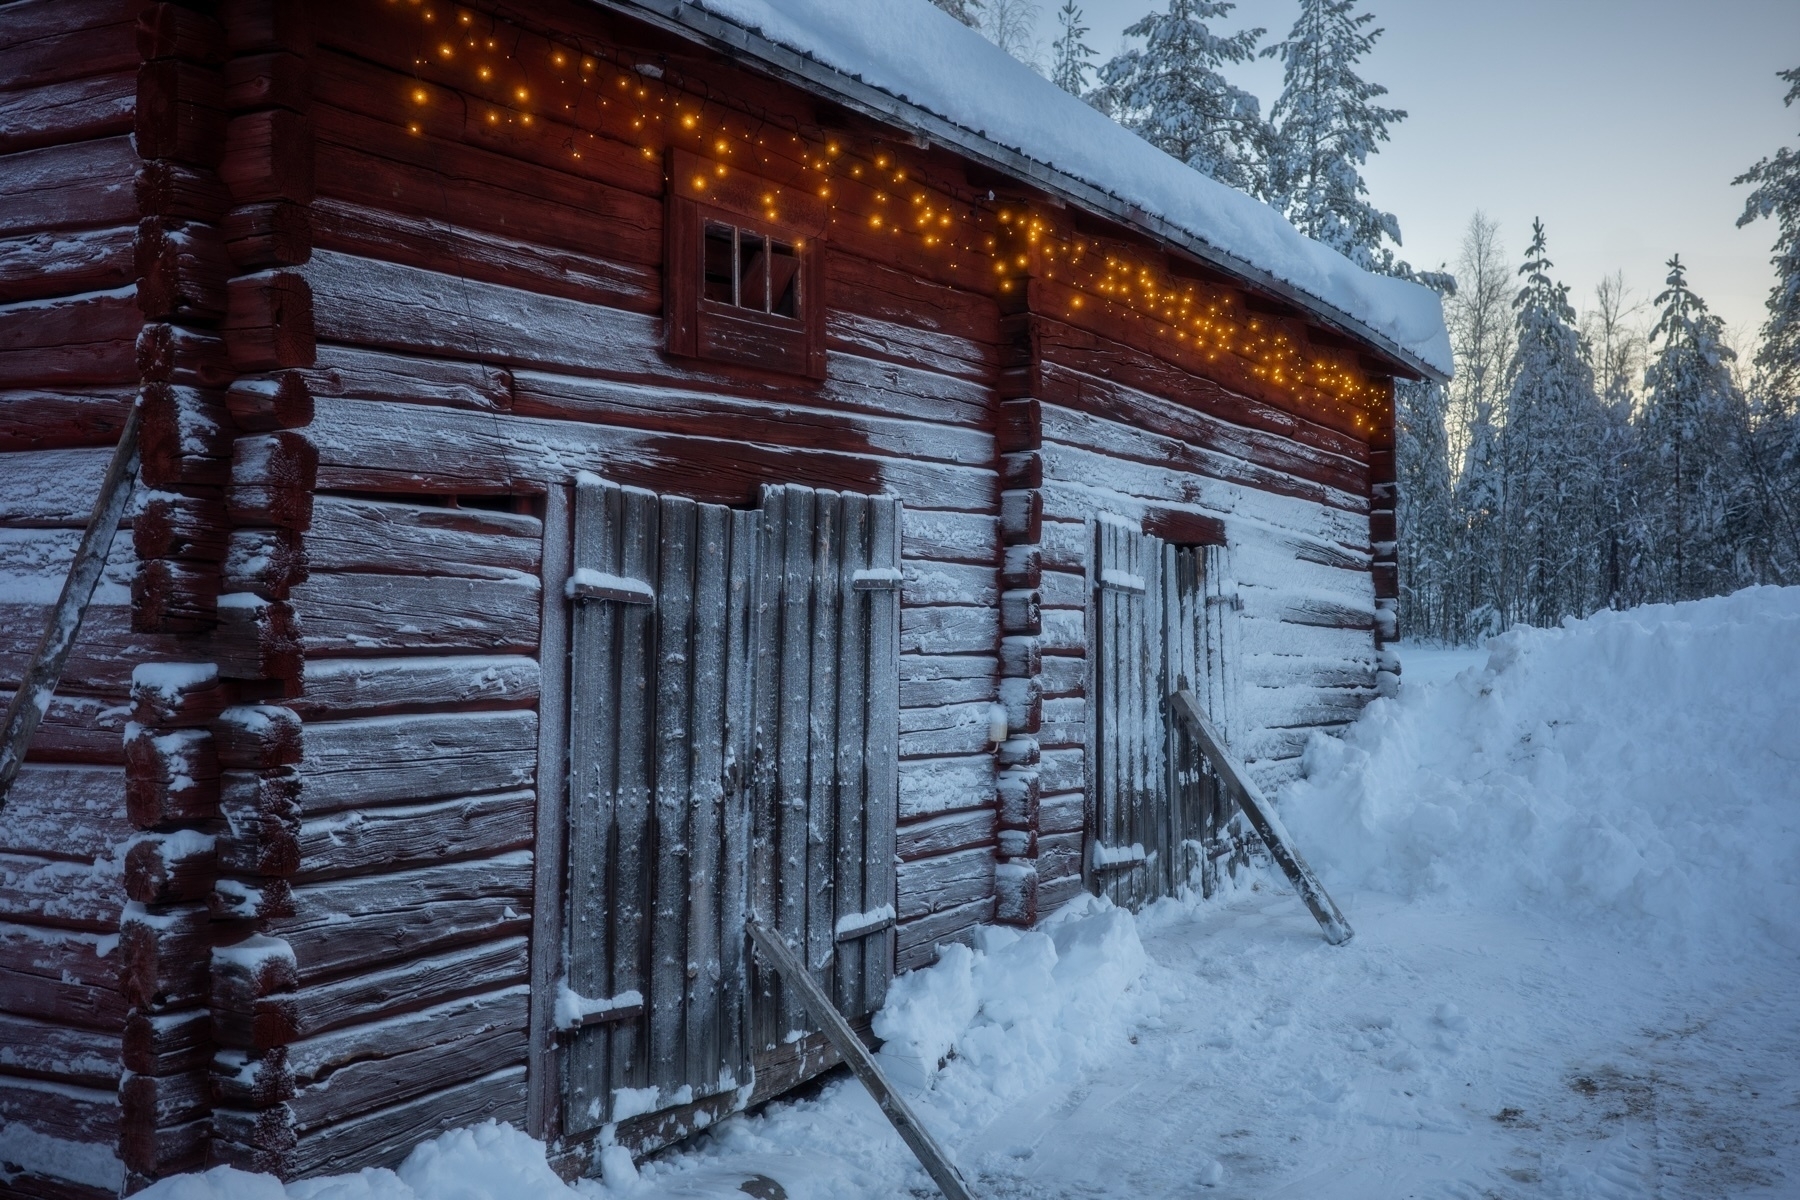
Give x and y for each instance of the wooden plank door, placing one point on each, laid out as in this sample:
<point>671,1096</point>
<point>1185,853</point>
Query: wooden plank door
<point>826,731</point>
<point>1196,604</point>
<point>658,816</point>
<point>1128,848</point>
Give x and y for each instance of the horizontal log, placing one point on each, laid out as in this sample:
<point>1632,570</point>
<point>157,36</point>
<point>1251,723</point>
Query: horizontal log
<point>1064,723</point>
<point>164,955</point>
<point>177,192</point>
<point>256,638</point>
<point>49,1050</point>
<point>77,729</point>
<point>179,695</point>
<point>1115,438</point>
<point>932,786</point>
<point>265,403</point>
<point>411,539</point>
<point>360,924</point>
<point>172,596</point>
<point>75,110</point>
<point>66,812</point>
<point>173,31</point>
<point>263,26</point>
<point>48,40</point>
<point>69,895</point>
<point>152,1104</point>
<point>276,233</point>
<point>381,760</point>
<point>349,614</point>
<point>268,562</point>
<point>957,729</point>
<point>34,419</point>
<point>170,776</point>
<point>367,159</point>
<point>62,1111</point>
<point>1065,813</point>
<point>660,407</point>
<point>490,257</point>
<point>929,680</point>
<point>382,1137</point>
<point>268,157</point>
<point>256,736</point>
<point>177,354</point>
<point>278,79</point>
<point>272,480</point>
<point>1101,358</point>
<point>61,974</point>
<point>270,321</point>
<point>167,1043</point>
<point>371,1064</point>
<point>70,342</point>
<point>179,112</point>
<point>377,447</point>
<point>182,269</point>
<point>363,687</point>
<point>916,942</point>
<point>170,868</point>
<point>354,373</point>
<point>179,526</point>
<point>949,536</point>
<point>40,265</point>
<point>948,630</point>
<point>936,836</point>
<point>261,1022</point>
<point>53,488</point>
<point>948,583</point>
<point>85,185</point>
<point>401,837</point>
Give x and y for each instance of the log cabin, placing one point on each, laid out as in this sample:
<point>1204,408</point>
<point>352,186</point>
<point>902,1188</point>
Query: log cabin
<point>609,467</point>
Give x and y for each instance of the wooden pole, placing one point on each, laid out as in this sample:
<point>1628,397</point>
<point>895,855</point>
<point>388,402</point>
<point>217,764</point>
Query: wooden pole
<point>937,1164</point>
<point>1262,815</point>
<point>45,669</point>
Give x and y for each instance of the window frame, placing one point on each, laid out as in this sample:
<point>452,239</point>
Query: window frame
<point>702,193</point>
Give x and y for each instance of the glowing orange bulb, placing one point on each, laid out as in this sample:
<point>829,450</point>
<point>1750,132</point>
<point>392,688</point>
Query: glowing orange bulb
<point>485,73</point>
<point>419,95</point>
<point>699,183</point>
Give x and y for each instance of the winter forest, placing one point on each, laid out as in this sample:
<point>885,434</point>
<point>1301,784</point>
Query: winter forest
<point>1591,452</point>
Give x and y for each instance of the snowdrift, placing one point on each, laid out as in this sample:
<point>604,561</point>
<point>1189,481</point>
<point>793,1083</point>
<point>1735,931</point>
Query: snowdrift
<point>1637,770</point>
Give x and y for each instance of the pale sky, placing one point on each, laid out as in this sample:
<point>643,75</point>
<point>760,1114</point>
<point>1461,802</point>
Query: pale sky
<point>1620,122</point>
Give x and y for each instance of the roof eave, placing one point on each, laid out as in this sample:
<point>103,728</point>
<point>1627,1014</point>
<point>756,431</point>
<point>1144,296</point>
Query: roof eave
<point>697,24</point>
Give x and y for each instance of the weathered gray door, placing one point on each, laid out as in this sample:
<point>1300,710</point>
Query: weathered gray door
<point>1159,624</point>
<point>827,725</point>
<point>733,726</point>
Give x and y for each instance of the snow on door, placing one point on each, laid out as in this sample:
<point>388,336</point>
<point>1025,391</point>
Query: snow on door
<point>733,742</point>
<point>1161,622</point>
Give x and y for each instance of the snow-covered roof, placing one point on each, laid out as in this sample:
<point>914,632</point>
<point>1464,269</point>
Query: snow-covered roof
<point>907,60</point>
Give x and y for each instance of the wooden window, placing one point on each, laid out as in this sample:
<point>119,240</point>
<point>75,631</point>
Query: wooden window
<point>1162,621</point>
<point>733,748</point>
<point>743,270</point>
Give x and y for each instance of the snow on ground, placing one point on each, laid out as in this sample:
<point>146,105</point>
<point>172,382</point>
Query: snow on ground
<point>1572,869</point>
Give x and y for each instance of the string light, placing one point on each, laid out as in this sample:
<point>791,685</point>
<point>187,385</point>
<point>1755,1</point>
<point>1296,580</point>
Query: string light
<point>952,222</point>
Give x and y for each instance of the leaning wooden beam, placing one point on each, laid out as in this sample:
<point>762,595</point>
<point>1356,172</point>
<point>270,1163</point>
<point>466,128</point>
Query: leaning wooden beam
<point>45,669</point>
<point>937,1164</point>
<point>1262,815</point>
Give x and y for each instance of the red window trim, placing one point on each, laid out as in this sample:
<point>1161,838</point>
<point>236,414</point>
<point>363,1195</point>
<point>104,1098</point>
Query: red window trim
<point>700,191</point>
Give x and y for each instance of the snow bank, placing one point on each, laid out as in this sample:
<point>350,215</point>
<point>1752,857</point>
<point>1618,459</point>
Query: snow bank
<point>1637,770</point>
<point>916,53</point>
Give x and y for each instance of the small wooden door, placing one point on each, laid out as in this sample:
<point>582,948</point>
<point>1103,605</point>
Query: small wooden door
<point>734,700</point>
<point>1160,623</point>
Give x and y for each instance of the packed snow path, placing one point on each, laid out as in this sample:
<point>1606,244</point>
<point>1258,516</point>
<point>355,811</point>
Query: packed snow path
<point>1574,871</point>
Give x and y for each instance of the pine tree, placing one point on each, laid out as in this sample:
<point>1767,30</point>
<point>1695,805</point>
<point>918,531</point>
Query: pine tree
<point>1773,450</point>
<point>1069,53</point>
<point>1481,334</point>
<point>1428,607</point>
<point>966,11</point>
<point>1325,125</point>
<point>1777,195</point>
<point>1691,488</point>
<point>1552,420</point>
<point>1172,94</point>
